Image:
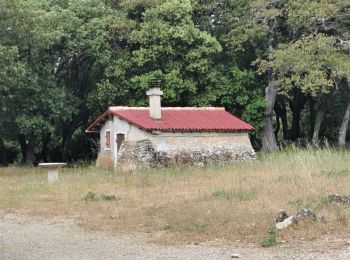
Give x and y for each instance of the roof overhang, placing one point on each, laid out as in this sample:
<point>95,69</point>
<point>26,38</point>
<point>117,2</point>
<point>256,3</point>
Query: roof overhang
<point>95,126</point>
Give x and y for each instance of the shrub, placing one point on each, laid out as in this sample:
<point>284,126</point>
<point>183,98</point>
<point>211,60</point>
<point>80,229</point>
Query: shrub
<point>108,197</point>
<point>270,240</point>
<point>90,196</point>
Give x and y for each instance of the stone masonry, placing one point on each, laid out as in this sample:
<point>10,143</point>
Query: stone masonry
<point>164,152</point>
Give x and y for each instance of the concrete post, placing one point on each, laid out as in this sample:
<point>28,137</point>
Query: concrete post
<point>154,103</point>
<point>52,175</point>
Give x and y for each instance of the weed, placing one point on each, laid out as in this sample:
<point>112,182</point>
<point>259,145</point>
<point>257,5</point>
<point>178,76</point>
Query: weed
<point>167,226</point>
<point>322,201</point>
<point>302,202</point>
<point>90,196</point>
<point>288,178</point>
<point>198,226</point>
<point>108,197</point>
<point>341,214</point>
<point>270,239</point>
<point>238,194</point>
<point>336,173</point>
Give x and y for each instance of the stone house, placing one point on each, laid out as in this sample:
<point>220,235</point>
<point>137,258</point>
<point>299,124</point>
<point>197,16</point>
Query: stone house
<point>155,136</point>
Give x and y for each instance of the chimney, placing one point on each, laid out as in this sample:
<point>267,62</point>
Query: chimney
<point>154,94</point>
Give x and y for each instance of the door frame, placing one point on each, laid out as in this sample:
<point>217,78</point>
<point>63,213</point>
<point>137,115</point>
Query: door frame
<point>116,146</point>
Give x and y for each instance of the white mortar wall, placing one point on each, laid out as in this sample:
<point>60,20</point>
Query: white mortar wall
<point>132,133</point>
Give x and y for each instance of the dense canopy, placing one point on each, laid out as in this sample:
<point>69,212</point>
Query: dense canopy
<point>281,65</point>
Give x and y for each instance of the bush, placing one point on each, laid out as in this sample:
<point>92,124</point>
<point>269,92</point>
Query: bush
<point>90,196</point>
<point>108,197</point>
<point>270,240</point>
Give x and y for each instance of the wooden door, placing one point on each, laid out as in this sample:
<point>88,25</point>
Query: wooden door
<point>120,139</point>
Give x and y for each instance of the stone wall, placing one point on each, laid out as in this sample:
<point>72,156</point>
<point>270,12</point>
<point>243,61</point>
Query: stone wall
<point>168,150</point>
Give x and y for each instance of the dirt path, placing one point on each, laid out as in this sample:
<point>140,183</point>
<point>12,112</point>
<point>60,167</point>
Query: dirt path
<point>22,237</point>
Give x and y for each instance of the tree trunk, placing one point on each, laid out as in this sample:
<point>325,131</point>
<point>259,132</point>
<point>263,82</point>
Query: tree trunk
<point>30,152</point>
<point>44,151</point>
<point>296,106</point>
<point>281,111</point>
<point>296,123</point>
<point>317,126</point>
<point>23,144</point>
<point>268,138</point>
<point>344,127</point>
<point>312,116</point>
<point>67,137</point>
<point>278,125</point>
<point>3,154</point>
<point>284,122</point>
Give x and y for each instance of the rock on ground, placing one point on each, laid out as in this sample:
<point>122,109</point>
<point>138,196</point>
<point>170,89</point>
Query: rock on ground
<point>281,215</point>
<point>286,223</point>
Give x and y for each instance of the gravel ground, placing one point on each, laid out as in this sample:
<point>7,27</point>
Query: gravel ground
<point>23,237</point>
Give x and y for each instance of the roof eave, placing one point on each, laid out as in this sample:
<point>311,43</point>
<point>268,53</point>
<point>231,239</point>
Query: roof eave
<point>93,124</point>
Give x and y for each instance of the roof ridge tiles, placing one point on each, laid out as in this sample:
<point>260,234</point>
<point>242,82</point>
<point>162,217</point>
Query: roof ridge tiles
<point>167,108</point>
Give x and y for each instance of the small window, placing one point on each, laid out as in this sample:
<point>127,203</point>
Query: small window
<point>108,140</point>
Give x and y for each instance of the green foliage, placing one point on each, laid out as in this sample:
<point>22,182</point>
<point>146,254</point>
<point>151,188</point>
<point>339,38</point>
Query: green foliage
<point>108,197</point>
<point>270,239</point>
<point>312,64</point>
<point>168,47</point>
<point>90,196</point>
<point>239,194</point>
<point>63,62</point>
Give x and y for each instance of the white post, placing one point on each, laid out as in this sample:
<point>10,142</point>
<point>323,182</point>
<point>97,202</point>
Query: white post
<point>52,175</point>
<point>52,170</point>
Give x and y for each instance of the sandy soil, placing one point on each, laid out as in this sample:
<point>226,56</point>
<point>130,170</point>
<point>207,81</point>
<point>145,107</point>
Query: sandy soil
<point>26,237</point>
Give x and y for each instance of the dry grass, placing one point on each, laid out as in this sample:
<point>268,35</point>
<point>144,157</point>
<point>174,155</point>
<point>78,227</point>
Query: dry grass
<point>235,202</point>
<point>104,161</point>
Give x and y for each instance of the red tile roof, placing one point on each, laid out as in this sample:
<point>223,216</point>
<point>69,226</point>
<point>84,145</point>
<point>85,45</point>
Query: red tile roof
<point>184,119</point>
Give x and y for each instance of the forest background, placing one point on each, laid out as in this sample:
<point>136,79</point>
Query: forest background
<point>283,66</point>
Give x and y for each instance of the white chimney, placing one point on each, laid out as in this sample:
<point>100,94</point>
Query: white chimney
<point>154,103</point>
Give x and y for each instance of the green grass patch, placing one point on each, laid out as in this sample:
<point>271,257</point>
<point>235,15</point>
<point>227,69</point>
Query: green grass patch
<point>108,197</point>
<point>235,194</point>
<point>336,173</point>
<point>270,239</point>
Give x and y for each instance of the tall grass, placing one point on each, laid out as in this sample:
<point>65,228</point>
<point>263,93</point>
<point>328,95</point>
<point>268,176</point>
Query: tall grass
<point>231,202</point>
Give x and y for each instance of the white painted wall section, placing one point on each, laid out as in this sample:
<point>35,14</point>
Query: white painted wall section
<point>132,133</point>
<point>107,126</point>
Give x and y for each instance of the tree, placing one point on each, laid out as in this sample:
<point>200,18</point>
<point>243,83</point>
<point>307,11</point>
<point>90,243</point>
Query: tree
<point>311,64</point>
<point>169,47</point>
<point>34,101</point>
<point>268,16</point>
<point>301,54</point>
<point>10,70</point>
<point>89,32</point>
